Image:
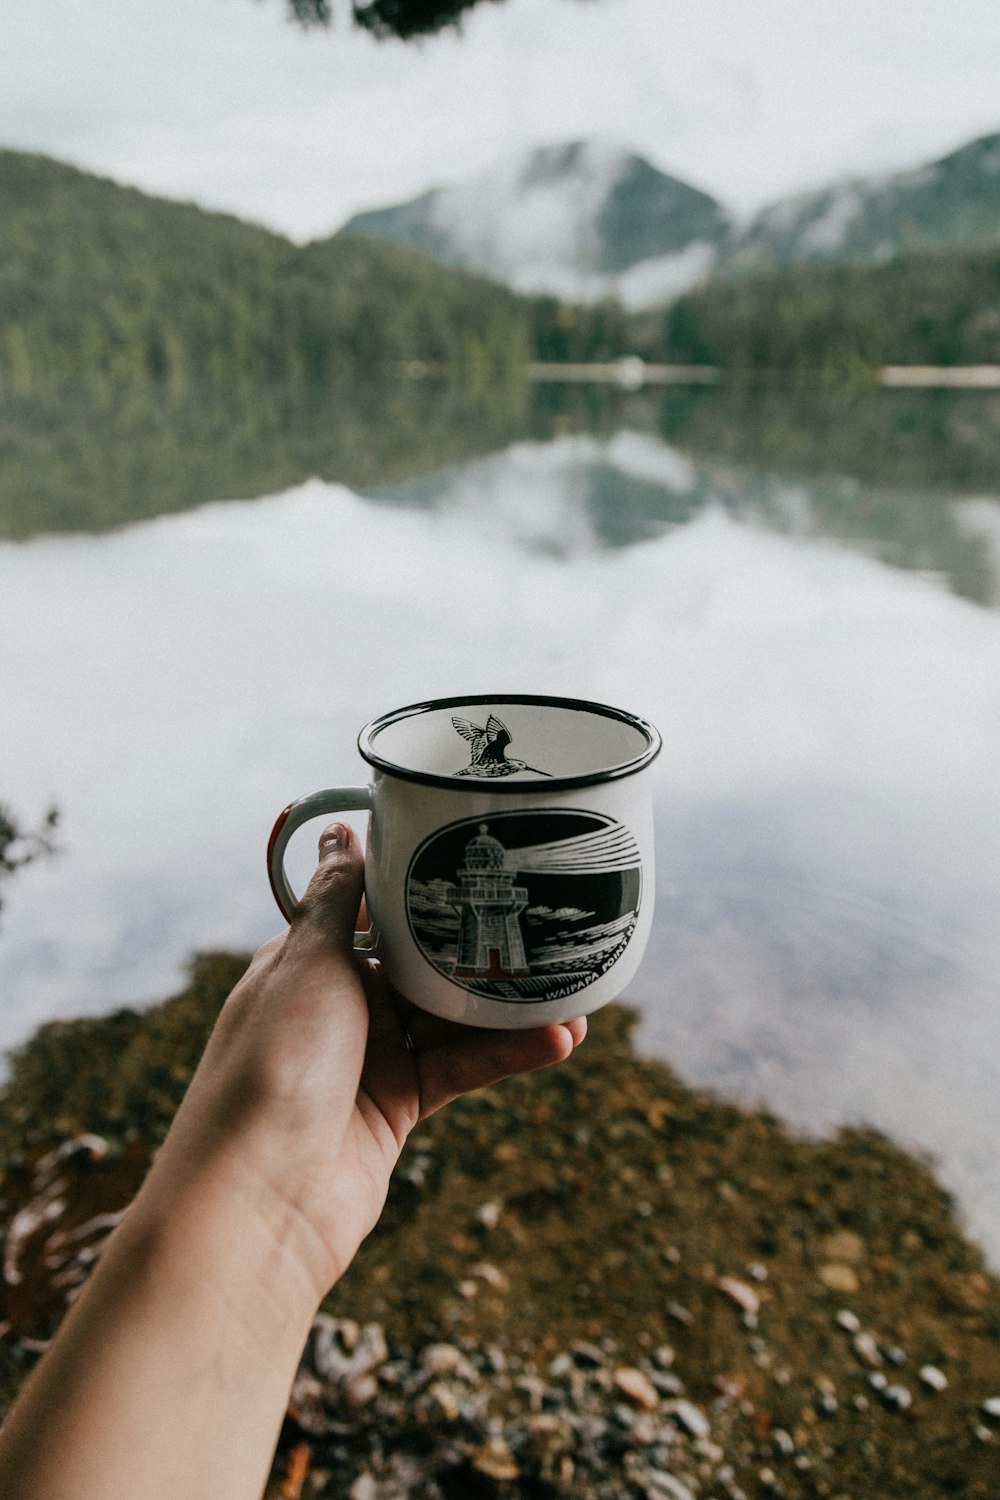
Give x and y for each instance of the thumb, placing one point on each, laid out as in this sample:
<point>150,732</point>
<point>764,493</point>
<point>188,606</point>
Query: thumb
<point>329,908</point>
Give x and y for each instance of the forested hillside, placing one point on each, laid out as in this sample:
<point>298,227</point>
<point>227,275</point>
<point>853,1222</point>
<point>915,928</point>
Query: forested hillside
<point>101,280</point>
<point>938,307</point>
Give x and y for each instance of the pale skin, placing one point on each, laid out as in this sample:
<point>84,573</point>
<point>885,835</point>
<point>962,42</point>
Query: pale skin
<point>171,1373</point>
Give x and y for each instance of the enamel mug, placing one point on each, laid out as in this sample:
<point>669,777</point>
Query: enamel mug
<point>509,860</point>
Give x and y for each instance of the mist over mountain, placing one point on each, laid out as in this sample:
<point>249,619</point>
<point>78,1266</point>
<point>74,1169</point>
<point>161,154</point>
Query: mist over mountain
<point>954,201</point>
<point>587,220</point>
<point>582,220</point>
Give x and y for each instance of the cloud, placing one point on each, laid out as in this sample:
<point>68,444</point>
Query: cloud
<point>231,105</point>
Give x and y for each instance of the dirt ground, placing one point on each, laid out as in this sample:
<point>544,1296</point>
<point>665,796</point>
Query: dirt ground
<point>592,1281</point>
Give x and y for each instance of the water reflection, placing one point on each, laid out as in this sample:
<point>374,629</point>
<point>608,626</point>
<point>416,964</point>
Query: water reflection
<point>828,800</point>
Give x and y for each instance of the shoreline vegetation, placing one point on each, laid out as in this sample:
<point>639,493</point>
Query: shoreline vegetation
<point>594,1282</point>
<point>103,281</point>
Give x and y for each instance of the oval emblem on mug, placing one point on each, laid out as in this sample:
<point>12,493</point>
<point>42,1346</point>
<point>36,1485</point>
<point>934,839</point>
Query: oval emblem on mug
<point>526,906</point>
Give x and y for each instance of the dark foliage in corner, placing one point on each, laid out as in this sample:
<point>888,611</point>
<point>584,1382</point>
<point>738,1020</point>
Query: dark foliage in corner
<point>388,18</point>
<point>19,847</point>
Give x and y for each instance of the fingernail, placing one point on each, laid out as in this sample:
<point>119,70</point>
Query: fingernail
<point>334,837</point>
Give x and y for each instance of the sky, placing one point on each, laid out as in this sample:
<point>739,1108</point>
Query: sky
<point>228,103</point>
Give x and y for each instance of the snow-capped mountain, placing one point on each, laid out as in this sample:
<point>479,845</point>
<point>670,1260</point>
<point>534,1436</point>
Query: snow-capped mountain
<point>589,220</point>
<point>952,201</point>
<point>583,220</point>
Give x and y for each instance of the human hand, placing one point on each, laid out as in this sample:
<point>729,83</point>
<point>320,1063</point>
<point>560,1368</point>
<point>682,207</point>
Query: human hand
<point>317,1071</point>
<point>172,1370</point>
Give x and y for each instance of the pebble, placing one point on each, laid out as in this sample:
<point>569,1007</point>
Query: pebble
<point>691,1418</point>
<point>849,1321</point>
<point>342,1351</point>
<point>783,1441</point>
<point>586,1353</point>
<point>743,1295</point>
<point>838,1276</point>
<point>680,1314</point>
<point>492,1275</point>
<point>991,1408</point>
<point>933,1378</point>
<point>445,1399</point>
<point>898,1397</point>
<point>488,1214</point>
<point>637,1387</point>
<point>868,1350</point>
<point>844,1245</point>
<point>667,1382</point>
<point>667,1485</point>
<point>495,1460</point>
<point>446,1359</point>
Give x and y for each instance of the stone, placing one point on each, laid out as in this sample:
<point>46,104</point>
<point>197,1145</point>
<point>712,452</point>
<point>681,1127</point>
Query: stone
<point>991,1408</point>
<point>838,1276</point>
<point>933,1378</point>
<point>844,1245</point>
<point>344,1352</point>
<point>364,1487</point>
<point>495,1460</point>
<point>739,1292</point>
<point>445,1399</point>
<point>637,1387</point>
<point>849,1321</point>
<point>783,1442</point>
<point>492,1275</point>
<point>667,1485</point>
<point>488,1214</point>
<point>691,1418</point>
<point>867,1349</point>
<point>360,1388</point>
<point>897,1397</point>
<point>446,1359</point>
<point>586,1353</point>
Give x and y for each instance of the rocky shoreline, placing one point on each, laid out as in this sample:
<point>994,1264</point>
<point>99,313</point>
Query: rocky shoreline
<point>593,1282</point>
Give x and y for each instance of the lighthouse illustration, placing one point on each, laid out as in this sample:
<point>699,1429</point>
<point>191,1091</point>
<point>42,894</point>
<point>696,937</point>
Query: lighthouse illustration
<point>533,903</point>
<point>489,904</point>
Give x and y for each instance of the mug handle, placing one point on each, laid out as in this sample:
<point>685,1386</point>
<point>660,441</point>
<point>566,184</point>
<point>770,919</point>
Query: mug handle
<point>333,800</point>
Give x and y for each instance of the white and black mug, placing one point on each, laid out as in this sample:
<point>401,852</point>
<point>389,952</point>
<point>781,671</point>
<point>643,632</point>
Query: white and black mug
<point>509,862</point>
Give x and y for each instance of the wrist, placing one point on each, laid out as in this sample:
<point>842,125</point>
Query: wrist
<point>221,1229</point>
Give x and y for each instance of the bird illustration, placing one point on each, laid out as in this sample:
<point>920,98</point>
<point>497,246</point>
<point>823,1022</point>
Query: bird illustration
<point>489,749</point>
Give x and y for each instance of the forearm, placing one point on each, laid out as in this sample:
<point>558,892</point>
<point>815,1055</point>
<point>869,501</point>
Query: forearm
<point>171,1373</point>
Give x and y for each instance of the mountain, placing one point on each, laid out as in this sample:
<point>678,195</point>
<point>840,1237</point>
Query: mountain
<point>583,220</point>
<point>97,279</point>
<point>954,201</point>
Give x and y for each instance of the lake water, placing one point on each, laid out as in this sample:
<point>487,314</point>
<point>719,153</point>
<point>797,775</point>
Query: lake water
<point>802,596</point>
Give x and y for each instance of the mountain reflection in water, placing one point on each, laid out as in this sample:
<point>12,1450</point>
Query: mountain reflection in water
<point>796,594</point>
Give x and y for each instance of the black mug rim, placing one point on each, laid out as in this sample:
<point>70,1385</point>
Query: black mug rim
<point>654,745</point>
